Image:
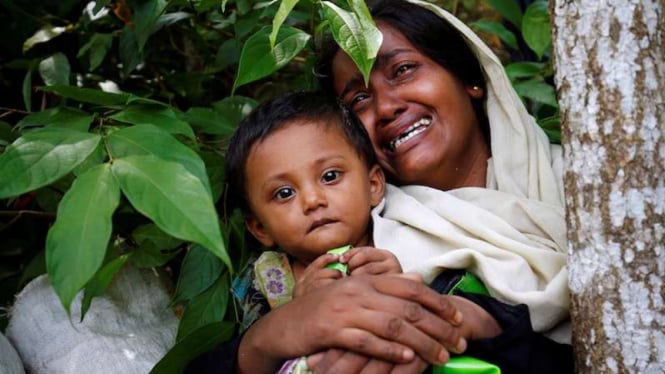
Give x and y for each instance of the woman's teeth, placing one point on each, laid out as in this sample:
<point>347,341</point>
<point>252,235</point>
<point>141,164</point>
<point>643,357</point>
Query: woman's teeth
<point>412,131</point>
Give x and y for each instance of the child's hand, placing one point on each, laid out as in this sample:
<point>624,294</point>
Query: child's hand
<point>370,260</point>
<point>316,275</point>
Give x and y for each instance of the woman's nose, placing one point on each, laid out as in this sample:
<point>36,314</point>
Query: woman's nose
<point>389,105</point>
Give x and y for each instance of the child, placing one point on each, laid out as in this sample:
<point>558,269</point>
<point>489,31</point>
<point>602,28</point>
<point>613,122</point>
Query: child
<point>303,171</point>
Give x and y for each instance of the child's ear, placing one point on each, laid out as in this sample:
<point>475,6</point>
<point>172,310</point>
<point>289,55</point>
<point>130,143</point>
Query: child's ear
<point>257,229</point>
<point>377,185</point>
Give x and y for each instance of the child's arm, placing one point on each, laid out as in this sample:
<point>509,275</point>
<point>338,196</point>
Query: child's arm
<point>316,275</point>
<point>370,260</point>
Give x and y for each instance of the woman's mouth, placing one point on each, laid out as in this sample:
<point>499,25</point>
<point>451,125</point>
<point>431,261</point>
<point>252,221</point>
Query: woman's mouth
<point>413,130</point>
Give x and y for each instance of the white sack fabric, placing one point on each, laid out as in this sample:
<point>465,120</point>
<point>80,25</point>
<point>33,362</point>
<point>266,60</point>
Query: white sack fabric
<point>10,362</point>
<point>127,330</point>
<point>511,234</point>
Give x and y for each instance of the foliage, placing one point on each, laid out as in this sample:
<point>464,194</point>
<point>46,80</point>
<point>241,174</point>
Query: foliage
<point>113,134</point>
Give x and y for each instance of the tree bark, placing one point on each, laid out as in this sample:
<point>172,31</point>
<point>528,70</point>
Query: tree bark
<point>610,64</point>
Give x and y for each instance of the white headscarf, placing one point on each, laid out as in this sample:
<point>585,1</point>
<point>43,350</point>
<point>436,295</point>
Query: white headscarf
<point>511,234</point>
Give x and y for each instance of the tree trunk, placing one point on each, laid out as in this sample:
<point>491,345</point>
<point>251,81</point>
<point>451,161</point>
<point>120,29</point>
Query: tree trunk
<point>610,64</point>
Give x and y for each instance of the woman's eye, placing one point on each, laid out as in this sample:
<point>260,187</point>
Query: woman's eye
<point>330,176</point>
<point>358,98</point>
<point>283,193</point>
<point>403,69</point>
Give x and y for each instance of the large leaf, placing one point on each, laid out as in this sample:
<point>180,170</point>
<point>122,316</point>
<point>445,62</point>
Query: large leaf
<point>209,121</point>
<point>89,95</point>
<point>356,35</point>
<point>536,28</point>
<point>176,200</point>
<point>155,246</point>
<point>151,140</point>
<point>285,7</point>
<point>145,17</point>
<point>524,69</point>
<point>42,156</point>
<point>101,280</point>
<point>199,270</point>
<point>498,29</point>
<point>42,35</point>
<point>55,70</point>
<point>198,342</point>
<point>58,117</point>
<point>258,60</point>
<point>160,116</point>
<point>96,47</point>
<point>538,91</point>
<point>206,308</point>
<point>76,243</point>
<point>509,9</point>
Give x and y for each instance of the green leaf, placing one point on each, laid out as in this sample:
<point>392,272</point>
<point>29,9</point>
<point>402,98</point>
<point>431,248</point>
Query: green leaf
<point>97,47</point>
<point>155,246</point>
<point>151,140</point>
<point>129,52</point>
<point>44,34</point>
<point>55,70</point>
<point>537,91</point>
<point>209,121</point>
<point>169,19</point>
<point>206,308</point>
<point>356,35</point>
<point>98,156</point>
<point>196,343</point>
<point>40,157</point>
<point>100,281</point>
<point>6,133</point>
<point>524,69</point>
<point>76,243</point>
<point>200,269</point>
<point>99,4</point>
<point>153,234</point>
<point>498,29</point>
<point>62,117</point>
<point>285,7</point>
<point>509,9</point>
<point>146,14</point>
<point>89,95</point>
<point>228,54</point>
<point>552,127</point>
<point>258,60</point>
<point>214,163</point>
<point>235,108</point>
<point>176,200</point>
<point>160,116</point>
<point>27,90</point>
<point>536,28</point>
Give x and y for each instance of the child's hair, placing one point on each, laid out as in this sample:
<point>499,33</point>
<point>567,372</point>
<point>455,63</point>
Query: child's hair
<point>316,108</point>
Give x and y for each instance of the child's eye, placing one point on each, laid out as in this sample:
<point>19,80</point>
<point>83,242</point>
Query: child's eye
<point>330,176</point>
<point>283,193</point>
<point>357,98</point>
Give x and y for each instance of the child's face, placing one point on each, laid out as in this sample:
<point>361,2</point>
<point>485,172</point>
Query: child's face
<point>309,191</point>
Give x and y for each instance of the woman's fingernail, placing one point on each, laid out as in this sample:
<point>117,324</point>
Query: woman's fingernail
<point>408,355</point>
<point>457,318</point>
<point>461,345</point>
<point>443,357</point>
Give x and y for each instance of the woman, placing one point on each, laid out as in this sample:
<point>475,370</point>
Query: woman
<point>426,116</point>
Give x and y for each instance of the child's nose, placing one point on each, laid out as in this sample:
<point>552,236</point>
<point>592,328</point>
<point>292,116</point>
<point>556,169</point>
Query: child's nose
<point>313,197</point>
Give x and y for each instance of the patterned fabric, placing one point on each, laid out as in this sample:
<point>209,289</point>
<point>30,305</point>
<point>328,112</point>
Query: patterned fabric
<point>266,283</point>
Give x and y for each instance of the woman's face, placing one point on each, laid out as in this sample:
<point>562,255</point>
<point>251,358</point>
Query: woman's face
<point>418,115</point>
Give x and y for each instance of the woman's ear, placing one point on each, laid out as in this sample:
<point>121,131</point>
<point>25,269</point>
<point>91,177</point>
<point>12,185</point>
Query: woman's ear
<point>257,229</point>
<point>476,92</point>
<point>377,185</point>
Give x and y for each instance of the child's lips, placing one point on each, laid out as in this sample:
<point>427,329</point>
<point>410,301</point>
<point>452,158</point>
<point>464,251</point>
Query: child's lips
<point>321,222</point>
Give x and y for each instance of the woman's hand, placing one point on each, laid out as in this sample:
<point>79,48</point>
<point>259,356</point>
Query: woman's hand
<point>388,317</point>
<point>339,361</point>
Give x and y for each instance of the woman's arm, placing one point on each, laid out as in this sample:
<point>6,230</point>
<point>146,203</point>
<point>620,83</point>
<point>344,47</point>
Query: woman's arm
<point>385,316</point>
